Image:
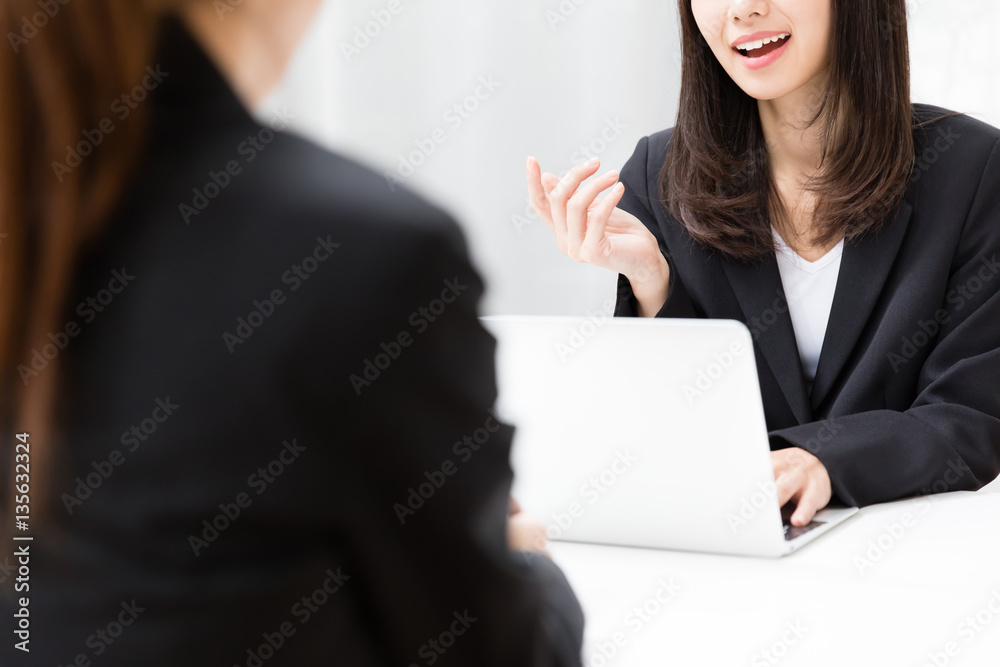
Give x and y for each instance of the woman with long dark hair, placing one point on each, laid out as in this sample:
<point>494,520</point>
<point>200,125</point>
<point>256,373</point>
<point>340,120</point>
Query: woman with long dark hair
<point>228,435</point>
<point>856,234</point>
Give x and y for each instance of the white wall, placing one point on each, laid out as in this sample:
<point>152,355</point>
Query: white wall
<point>568,71</point>
<point>953,61</point>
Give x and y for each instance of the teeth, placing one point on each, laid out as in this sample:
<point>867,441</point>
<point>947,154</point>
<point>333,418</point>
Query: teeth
<point>750,46</point>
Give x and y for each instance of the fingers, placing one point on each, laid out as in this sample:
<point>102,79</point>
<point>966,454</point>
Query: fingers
<point>598,221</point>
<point>787,487</point>
<point>810,502</point>
<point>513,507</point>
<point>800,478</point>
<point>549,181</point>
<point>566,206</point>
<point>578,209</point>
<point>537,193</point>
<point>559,200</point>
<point>785,483</point>
<point>571,181</point>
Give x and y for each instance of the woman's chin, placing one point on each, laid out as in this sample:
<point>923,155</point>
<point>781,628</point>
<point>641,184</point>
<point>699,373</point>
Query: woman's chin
<point>762,92</point>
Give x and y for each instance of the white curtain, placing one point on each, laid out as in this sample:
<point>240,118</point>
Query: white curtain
<point>558,79</point>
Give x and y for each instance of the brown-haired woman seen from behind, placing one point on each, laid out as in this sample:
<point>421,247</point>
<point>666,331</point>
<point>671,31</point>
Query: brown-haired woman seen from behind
<point>223,432</point>
<point>856,234</point>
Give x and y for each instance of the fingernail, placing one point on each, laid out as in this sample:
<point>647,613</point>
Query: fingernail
<point>592,161</point>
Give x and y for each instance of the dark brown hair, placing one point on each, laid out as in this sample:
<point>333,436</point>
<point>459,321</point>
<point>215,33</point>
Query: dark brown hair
<point>716,179</point>
<point>62,68</point>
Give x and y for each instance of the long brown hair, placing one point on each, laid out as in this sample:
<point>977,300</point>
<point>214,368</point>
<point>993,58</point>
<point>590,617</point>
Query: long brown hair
<point>63,67</point>
<point>716,178</point>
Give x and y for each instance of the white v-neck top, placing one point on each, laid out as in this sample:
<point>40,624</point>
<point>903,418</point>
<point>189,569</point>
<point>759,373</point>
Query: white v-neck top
<point>809,288</point>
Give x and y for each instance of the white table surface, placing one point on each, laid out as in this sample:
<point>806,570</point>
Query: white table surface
<point>907,603</point>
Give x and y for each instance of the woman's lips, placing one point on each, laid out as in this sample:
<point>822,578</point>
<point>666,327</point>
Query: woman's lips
<point>766,54</point>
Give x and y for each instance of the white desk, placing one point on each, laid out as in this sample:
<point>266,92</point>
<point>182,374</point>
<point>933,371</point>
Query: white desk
<point>914,600</point>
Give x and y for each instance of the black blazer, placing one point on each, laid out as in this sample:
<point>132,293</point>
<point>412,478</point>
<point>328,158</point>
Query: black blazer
<point>278,439</point>
<point>906,398</point>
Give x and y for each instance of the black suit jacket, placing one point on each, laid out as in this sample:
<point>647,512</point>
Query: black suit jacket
<point>906,398</point>
<point>279,446</point>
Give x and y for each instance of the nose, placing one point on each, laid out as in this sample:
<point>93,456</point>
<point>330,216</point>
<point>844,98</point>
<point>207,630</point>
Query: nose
<point>744,10</point>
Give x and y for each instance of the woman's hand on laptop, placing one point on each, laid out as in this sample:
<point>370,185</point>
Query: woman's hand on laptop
<point>596,232</point>
<point>802,478</point>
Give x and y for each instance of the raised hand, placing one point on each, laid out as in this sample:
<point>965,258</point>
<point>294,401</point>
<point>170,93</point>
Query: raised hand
<point>596,232</point>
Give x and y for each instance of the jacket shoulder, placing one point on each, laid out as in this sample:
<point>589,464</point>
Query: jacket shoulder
<point>935,116</point>
<point>313,183</point>
<point>642,170</point>
<point>953,154</point>
<point>659,143</point>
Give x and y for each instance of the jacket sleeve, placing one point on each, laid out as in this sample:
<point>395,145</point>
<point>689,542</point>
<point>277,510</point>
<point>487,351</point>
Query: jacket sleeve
<point>434,473</point>
<point>638,202</point>
<point>949,439</point>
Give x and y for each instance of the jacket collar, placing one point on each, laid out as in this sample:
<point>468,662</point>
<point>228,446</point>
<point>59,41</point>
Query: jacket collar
<point>864,269</point>
<point>865,266</point>
<point>194,95</point>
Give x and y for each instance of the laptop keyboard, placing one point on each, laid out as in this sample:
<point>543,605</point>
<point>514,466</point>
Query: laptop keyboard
<point>791,532</point>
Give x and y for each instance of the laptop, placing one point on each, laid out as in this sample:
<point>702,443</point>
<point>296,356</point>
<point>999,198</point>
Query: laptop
<point>643,432</point>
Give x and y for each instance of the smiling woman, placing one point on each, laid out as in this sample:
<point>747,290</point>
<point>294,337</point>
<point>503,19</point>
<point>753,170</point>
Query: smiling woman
<point>854,233</point>
<point>827,111</point>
